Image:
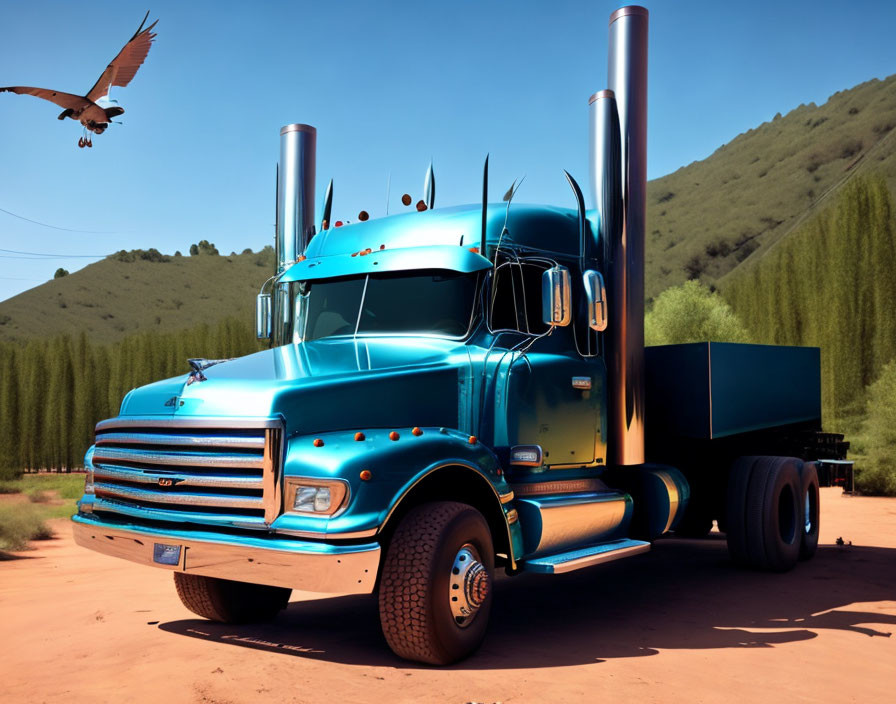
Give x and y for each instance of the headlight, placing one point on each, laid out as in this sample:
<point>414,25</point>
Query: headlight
<point>318,496</point>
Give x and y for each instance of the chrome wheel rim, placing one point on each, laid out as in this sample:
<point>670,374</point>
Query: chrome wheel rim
<point>468,586</point>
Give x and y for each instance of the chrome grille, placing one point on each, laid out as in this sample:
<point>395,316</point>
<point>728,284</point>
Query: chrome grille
<point>188,470</point>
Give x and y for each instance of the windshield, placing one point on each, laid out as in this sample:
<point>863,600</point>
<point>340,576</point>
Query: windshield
<point>433,303</point>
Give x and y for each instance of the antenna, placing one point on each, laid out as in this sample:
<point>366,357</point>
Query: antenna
<point>484,206</point>
<point>328,207</point>
<point>580,204</point>
<point>388,191</point>
<point>429,187</point>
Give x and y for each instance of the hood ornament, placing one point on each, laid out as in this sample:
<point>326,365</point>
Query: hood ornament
<point>200,365</point>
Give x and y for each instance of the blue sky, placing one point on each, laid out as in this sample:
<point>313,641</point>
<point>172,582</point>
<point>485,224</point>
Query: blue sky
<point>389,86</point>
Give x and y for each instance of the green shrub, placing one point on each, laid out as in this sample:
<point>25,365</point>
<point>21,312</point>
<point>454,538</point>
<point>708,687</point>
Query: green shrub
<point>878,475</point>
<point>692,313</point>
<point>20,523</point>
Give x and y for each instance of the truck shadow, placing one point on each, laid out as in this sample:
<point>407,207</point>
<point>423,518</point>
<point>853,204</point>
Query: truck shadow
<point>683,594</point>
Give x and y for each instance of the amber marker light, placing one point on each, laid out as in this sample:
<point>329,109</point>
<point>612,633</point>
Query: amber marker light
<point>359,436</point>
<point>406,199</point>
<point>366,475</point>
<point>382,246</point>
<point>417,432</point>
<point>301,258</point>
<point>421,206</point>
<point>318,442</point>
<point>394,436</point>
<point>363,216</point>
<point>338,223</point>
<point>472,440</point>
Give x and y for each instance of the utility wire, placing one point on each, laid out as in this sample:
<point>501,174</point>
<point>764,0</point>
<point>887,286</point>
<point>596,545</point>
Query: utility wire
<point>49,255</point>
<point>53,227</point>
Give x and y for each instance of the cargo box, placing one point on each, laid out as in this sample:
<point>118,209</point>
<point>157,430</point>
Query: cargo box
<point>708,390</point>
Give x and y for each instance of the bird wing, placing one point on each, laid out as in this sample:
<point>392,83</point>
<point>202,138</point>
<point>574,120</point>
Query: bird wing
<point>124,66</point>
<point>64,100</point>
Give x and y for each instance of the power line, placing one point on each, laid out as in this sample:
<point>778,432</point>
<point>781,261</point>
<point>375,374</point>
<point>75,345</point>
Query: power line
<point>48,255</point>
<point>53,227</point>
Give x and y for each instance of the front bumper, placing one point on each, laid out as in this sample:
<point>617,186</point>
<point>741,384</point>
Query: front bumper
<point>296,564</point>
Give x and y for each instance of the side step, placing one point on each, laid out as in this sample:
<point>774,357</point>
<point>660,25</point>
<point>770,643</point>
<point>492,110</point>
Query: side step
<point>585,557</point>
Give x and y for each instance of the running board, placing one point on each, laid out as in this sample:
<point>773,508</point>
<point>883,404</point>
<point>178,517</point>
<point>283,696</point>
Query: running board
<point>585,557</point>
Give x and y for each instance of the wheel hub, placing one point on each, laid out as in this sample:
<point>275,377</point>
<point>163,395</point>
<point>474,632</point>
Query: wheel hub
<point>468,587</point>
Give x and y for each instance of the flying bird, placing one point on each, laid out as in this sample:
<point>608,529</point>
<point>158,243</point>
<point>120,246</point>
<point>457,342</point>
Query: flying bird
<point>86,109</point>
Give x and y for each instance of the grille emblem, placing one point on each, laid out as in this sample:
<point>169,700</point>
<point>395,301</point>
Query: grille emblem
<point>169,481</point>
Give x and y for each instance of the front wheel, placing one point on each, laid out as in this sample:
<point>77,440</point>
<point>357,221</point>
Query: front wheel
<point>436,586</point>
<point>227,601</point>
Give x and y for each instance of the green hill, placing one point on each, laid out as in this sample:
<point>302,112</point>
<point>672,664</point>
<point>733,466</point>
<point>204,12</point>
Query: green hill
<point>706,218</point>
<point>138,291</point>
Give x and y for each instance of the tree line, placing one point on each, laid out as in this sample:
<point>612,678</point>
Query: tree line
<point>831,284</point>
<point>54,390</point>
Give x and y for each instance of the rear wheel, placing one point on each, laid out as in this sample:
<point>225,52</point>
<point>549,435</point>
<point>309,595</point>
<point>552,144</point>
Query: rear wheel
<point>228,601</point>
<point>811,512</point>
<point>436,585</point>
<point>765,513</point>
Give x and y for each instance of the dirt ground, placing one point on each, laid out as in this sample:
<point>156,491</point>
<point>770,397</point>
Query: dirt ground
<point>678,624</point>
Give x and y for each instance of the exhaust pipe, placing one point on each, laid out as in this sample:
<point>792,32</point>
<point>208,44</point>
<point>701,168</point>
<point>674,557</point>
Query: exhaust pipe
<point>295,192</point>
<point>627,79</point>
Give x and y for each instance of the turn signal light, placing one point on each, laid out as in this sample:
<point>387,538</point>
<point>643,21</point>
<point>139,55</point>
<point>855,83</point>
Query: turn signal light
<point>417,432</point>
<point>359,436</point>
<point>318,442</point>
<point>394,436</point>
<point>472,440</point>
<point>366,475</point>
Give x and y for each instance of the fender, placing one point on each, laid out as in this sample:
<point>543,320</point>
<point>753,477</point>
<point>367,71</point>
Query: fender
<point>398,462</point>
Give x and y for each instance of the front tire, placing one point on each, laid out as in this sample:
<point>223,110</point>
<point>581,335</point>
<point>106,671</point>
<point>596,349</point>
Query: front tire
<point>436,585</point>
<point>228,601</point>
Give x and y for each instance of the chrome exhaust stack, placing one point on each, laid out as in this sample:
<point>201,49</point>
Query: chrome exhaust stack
<point>295,192</point>
<point>619,186</point>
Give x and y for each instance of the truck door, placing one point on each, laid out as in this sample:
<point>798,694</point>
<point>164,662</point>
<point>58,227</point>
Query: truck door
<point>549,395</point>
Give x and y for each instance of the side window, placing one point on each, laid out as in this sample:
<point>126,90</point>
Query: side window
<point>516,297</point>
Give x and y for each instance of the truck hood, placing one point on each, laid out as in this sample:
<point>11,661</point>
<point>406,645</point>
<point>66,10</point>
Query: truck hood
<point>325,385</point>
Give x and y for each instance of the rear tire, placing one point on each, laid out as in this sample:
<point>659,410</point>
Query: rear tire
<point>809,499</point>
<point>422,581</point>
<point>765,514</point>
<point>228,601</point>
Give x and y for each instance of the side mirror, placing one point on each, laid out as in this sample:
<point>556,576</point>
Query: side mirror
<point>596,295</point>
<point>263,316</point>
<point>556,296</point>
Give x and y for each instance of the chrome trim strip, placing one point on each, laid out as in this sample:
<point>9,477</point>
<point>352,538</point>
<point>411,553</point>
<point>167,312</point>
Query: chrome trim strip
<point>179,459</point>
<point>186,422</point>
<point>178,516</point>
<point>139,476</point>
<point>273,501</point>
<point>313,567</point>
<point>328,536</point>
<point>600,558</point>
<point>255,443</point>
<point>160,497</point>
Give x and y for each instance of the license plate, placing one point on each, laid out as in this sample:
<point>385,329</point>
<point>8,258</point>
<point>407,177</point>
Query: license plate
<point>166,554</point>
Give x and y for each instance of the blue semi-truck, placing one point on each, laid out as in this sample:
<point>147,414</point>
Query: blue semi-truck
<point>451,391</point>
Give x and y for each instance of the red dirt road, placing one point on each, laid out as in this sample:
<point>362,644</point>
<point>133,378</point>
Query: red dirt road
<point>677,624</point>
